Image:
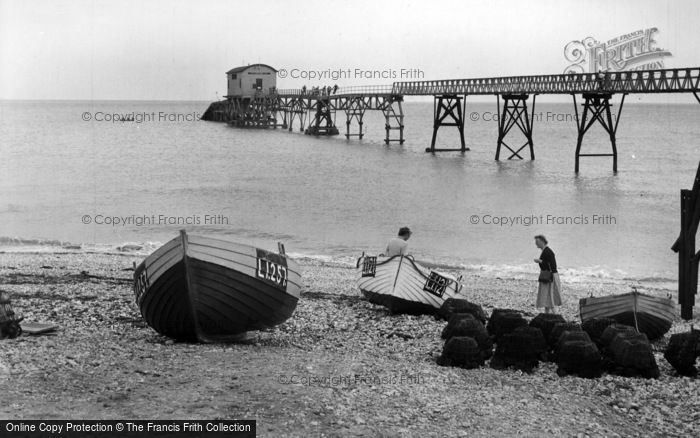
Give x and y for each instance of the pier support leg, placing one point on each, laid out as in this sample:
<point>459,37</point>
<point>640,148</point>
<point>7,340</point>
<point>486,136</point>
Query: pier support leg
<point>261,113</point>
<point>451,106</point>
<point>323,122</point>
<point>393,119</point>
<point>355,110</point>
<point>234,111</point>
<point>285,118</point>
<point>598,105</point>
<point>238,112</point>
<point>297,110</point>
<point>358,117</point>
<point>515,114</point>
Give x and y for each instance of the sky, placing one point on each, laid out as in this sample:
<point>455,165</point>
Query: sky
<point>180,50</point>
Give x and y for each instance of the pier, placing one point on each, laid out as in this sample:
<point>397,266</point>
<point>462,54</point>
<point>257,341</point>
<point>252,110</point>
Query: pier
<point>315,111</point>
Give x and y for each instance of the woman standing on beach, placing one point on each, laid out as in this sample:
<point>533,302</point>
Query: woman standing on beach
<point>548,293</point>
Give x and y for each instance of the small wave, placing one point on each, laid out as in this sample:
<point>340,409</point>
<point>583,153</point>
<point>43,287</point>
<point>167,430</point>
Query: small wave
<point>529,271</point>
<point>19,241</point>
<point>660,278</point>
<point>341,261</point>
<point>24,245</point>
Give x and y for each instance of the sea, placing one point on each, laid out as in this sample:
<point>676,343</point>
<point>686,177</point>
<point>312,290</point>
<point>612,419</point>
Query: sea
<point>126,176</point>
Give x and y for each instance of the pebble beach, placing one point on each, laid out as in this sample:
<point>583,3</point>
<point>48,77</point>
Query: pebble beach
<point>339,366</point>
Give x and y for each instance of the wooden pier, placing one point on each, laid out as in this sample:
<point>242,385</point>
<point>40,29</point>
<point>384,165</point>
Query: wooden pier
<point>315,111</point>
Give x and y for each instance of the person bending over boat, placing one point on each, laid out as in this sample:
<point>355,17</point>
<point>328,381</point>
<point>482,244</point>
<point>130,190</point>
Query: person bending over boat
<point>398,245</point>
<point>549,291</point>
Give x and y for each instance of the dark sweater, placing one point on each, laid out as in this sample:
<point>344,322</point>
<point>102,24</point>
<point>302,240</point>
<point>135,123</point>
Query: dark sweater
<point>549,262</point>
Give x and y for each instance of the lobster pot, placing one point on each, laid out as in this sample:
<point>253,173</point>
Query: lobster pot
<point>6,312</point>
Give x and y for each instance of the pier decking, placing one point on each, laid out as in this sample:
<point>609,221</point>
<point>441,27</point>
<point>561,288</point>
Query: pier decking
<point>315,111</point>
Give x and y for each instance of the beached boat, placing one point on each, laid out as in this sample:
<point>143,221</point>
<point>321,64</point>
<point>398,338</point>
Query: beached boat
<point>648,314</point>
<point>210,289</point>
<point>404,286</point>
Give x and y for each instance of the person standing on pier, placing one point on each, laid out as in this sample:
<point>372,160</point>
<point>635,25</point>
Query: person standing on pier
<point>398,245</point>
<point>601,78</point>
<point>549,290</point>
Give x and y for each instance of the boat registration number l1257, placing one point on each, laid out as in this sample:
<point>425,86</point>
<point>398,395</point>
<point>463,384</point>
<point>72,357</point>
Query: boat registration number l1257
<point>272,268</point>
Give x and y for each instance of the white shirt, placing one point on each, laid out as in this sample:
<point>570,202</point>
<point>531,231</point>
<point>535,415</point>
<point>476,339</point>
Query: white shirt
<point>396,246</point>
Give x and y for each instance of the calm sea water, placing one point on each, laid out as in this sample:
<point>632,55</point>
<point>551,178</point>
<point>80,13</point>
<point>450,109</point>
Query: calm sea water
<point>333,198</point>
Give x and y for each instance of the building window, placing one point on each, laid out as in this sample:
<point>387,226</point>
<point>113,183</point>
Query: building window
<point>234,76</point>
<point>258,84</point>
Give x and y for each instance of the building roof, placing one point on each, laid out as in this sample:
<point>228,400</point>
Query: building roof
<point>246,67</point>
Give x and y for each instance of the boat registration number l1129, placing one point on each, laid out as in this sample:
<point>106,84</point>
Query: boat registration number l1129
<point>272,268</point>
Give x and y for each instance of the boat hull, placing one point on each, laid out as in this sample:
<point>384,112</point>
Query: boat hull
<point>651,315</point>
<point>404,286</point>
<point>207,289</point>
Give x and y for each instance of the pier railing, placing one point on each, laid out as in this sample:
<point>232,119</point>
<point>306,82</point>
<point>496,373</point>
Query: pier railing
<point>366,89</point>
<point>643,81</point>
<point>362,90</point>
<point>674,80</point>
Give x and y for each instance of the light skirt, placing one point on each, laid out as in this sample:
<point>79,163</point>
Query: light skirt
<point>549,294</point>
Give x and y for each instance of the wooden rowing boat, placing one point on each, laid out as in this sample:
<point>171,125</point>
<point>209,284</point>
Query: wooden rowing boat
<point>404,286</point>
<point>209,289</point>
<point>648,314</point>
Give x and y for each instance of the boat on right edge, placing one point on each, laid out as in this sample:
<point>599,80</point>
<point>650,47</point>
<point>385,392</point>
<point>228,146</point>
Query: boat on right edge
<point>650,315</point>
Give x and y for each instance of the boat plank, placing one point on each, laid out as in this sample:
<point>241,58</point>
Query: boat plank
<point>233,261</point>
<point>247,255</point>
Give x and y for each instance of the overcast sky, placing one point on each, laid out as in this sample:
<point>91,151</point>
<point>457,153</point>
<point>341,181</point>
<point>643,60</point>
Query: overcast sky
<point>180,50</point>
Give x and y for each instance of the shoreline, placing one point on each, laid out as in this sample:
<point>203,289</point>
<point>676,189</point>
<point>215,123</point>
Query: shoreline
<point>338,366</point>
<point>586,275</point>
